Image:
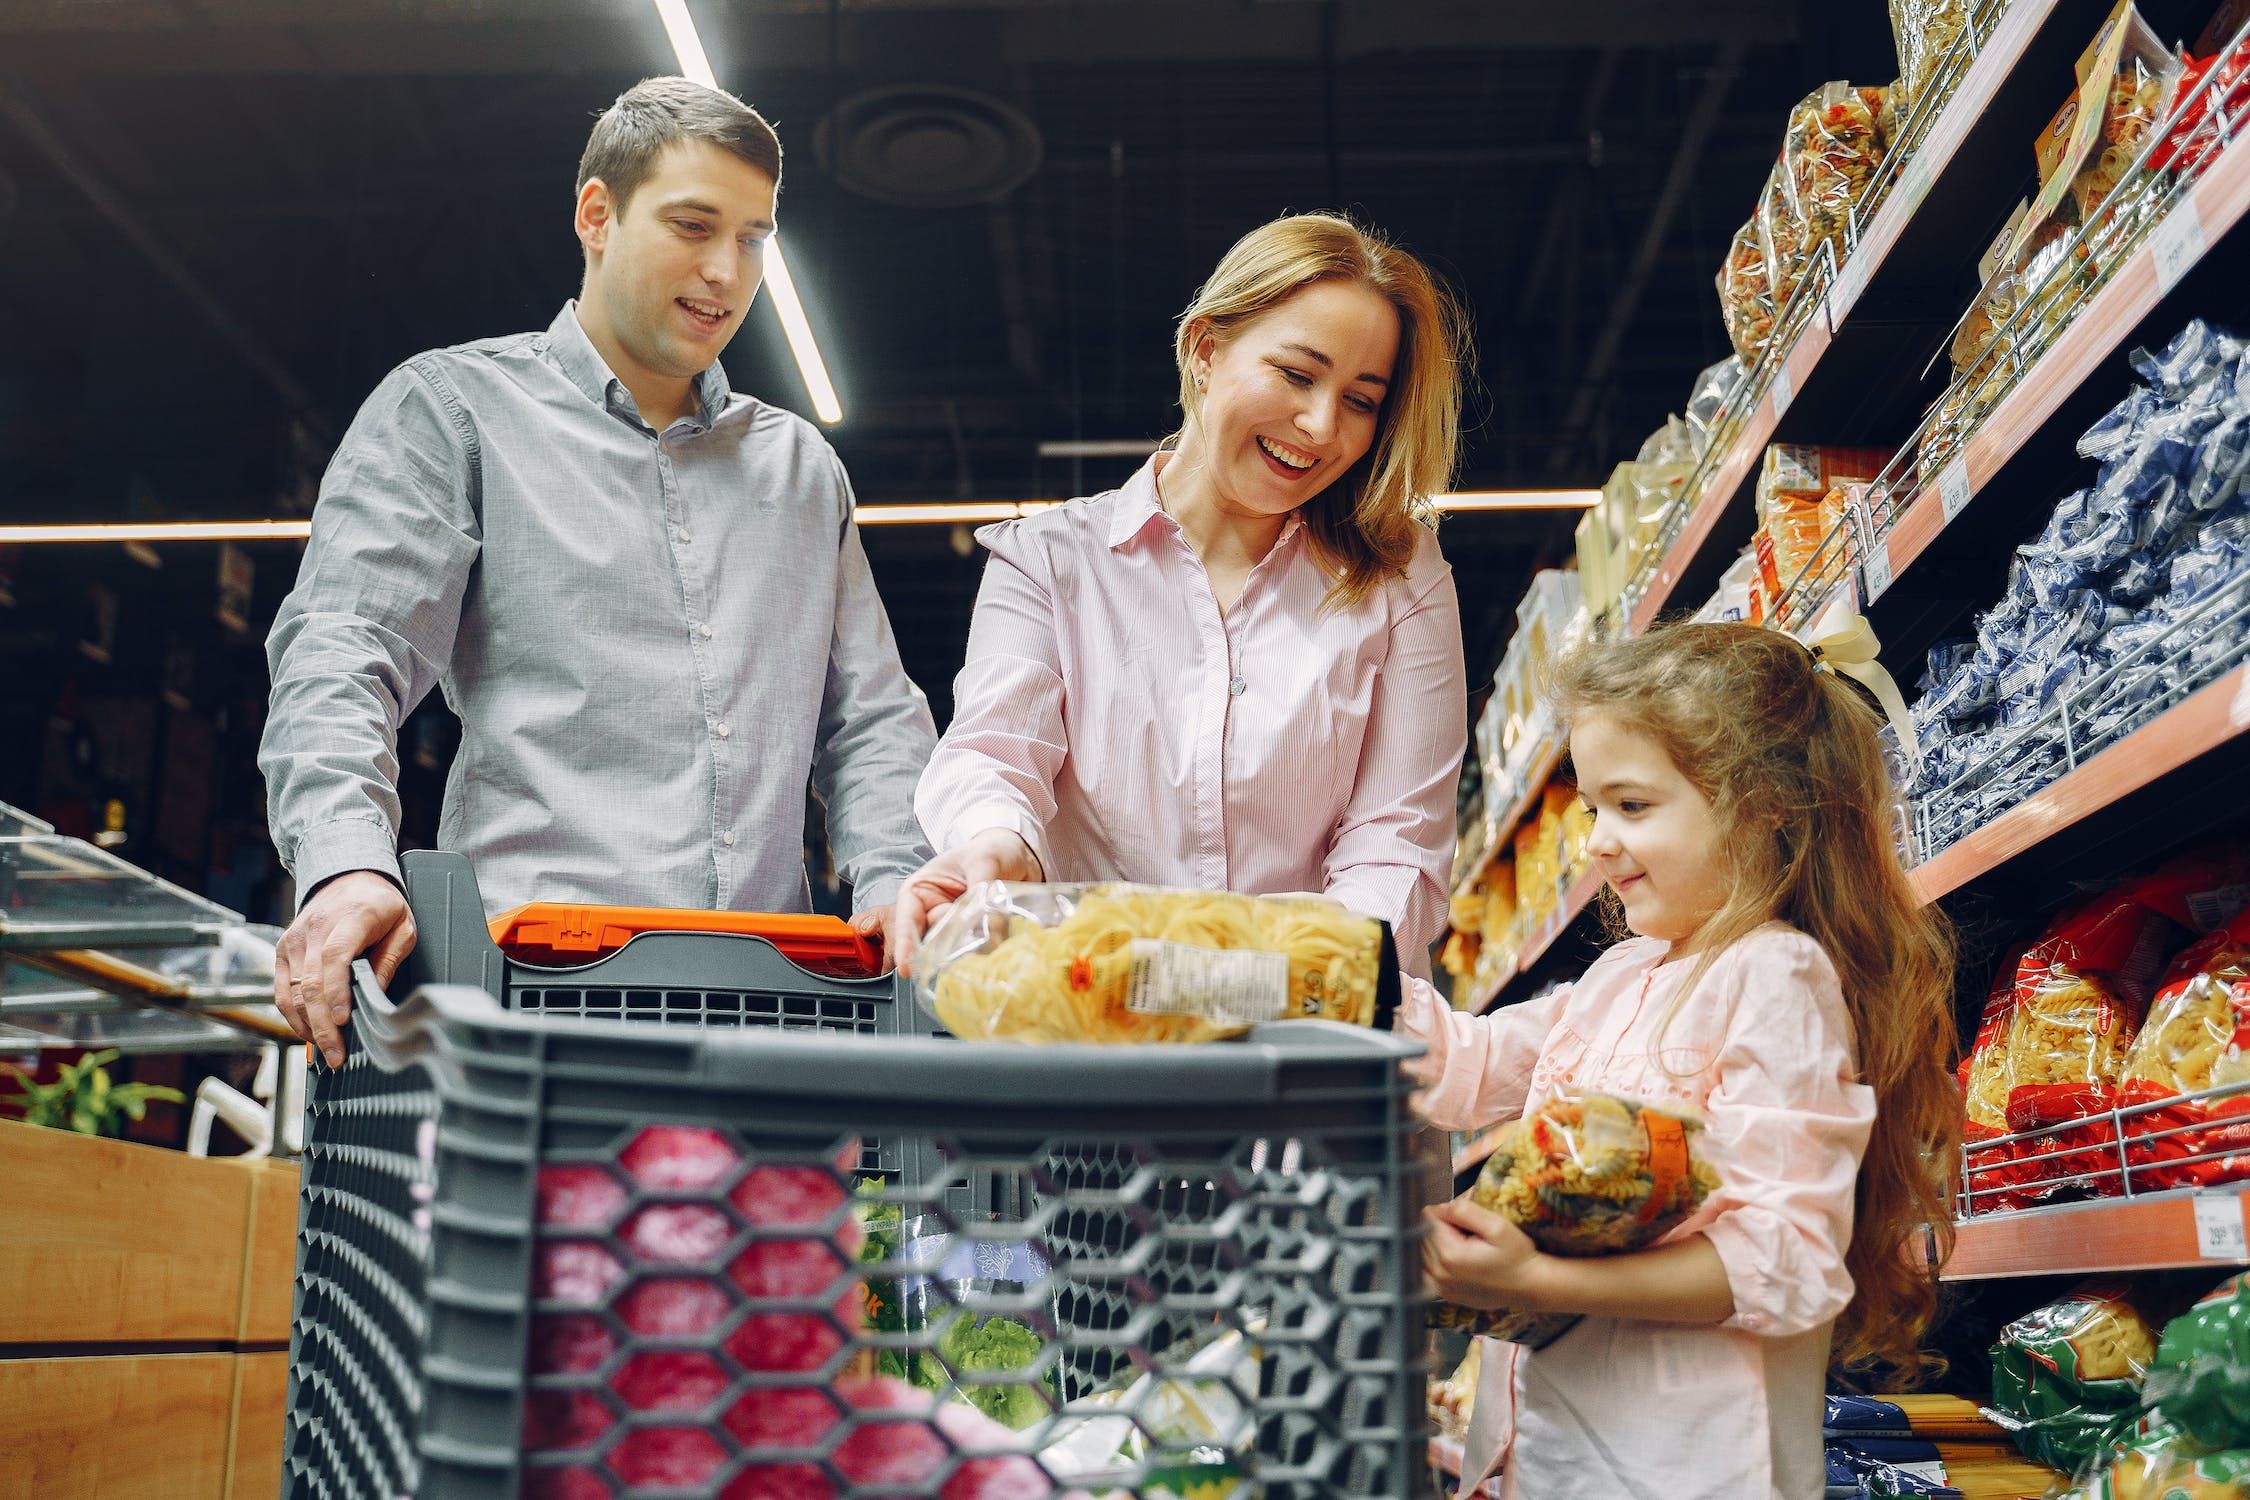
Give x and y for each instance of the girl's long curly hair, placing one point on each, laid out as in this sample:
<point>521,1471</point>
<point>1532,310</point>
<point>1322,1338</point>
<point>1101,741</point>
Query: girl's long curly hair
<point>1788,756</point>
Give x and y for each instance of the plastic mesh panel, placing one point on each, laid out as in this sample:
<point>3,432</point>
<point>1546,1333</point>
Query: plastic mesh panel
<point>657,1269</point>
<point>361,1319</point>
<point>708,1007</point>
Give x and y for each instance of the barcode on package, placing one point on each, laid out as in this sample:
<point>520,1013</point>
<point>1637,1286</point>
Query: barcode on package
<point>1241,988</point>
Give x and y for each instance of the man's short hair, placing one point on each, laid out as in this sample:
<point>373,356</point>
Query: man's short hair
<point>659,112</point>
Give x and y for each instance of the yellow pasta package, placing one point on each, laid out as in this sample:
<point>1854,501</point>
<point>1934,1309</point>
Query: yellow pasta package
<point>1130,963</point>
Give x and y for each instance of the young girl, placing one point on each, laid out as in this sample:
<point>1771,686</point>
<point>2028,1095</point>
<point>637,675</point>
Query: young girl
<point>1242,669</point>
<point>1785,985</point>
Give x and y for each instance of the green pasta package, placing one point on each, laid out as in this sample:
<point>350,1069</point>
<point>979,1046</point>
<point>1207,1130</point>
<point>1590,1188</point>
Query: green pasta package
<point>1133,963</point>
<point>2064,1375</point>
<point>1585,1175</point>
<point>2201,1373</point>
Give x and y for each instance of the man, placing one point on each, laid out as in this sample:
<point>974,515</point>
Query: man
<point>643,594</point>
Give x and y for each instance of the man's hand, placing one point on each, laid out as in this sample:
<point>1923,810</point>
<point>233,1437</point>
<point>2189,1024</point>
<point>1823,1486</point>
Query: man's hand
<point>929,893</point>
<point>872,923</point>
<point>357,912</point>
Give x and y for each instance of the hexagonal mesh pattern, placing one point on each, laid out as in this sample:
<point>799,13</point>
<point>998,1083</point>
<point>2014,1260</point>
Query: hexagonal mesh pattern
<point>667,1287</point>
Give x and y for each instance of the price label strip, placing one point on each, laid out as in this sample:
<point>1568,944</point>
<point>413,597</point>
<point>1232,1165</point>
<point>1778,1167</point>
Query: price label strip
<point>1784,390</point>
<point>1953,487</point>
<point>2177,245</point>
<point>1877,571</point>
<point>2218,1228</point>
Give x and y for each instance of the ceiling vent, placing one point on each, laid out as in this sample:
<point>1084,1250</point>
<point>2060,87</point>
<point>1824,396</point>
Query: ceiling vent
<point>929,146</point>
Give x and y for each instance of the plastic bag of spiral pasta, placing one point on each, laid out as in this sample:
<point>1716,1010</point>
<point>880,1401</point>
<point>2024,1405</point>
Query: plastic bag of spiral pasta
<point>1583,1175</point>
<point>1114,962</point>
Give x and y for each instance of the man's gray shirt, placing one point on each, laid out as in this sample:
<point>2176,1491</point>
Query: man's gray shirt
<point>652,641</point>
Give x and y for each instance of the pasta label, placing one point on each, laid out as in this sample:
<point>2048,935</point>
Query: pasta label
<point>1239,988</point>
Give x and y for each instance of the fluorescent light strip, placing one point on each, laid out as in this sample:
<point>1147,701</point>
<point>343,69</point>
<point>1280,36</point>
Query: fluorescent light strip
<point>936,513</point>
<point>959,513</point>
<point>1473,500</point>
<point>162,531</point>
<point>687,46</point>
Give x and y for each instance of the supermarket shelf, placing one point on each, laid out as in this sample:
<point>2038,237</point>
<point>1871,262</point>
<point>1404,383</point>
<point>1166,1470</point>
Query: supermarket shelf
<point>2158,1232</point>
<point>1576,897</point>
<point>2213,717</point>
<point>1894,297</point>
<point>1734,472</point>
<point>2212,206</point>
<point>1543,766</point>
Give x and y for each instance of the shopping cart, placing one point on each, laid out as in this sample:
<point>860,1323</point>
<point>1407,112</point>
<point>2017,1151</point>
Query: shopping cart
<point>553,1255</point>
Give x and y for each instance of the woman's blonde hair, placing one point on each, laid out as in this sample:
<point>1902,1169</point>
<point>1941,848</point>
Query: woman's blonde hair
<point>1363,524</point>
<point>1788,756</point>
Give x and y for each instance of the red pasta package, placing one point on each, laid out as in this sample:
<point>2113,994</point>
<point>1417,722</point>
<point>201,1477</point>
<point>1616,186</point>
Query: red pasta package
<point>2081,993</point>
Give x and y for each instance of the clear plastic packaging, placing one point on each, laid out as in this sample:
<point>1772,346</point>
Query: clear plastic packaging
<point>1746,300</point>
<point>1781,230</point>
<point>1128,963</point>
<point>1584,1175</point>
<point>1835,150</point>
<point>1925,31</point>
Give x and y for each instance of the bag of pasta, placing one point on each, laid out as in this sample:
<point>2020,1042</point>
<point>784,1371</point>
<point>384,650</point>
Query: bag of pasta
<point>1131,963</point>
<point>1926,31</point>
<point>2151,1458</point>
<point>1746,302</point>
<point>1584,1175</point>
<point>2200,1374</point>
<point>2081,991</point>
<point>2065,1374</point>
<point>1835,149</point>
<point>2174,1142</point>
<point>1986,1077</point>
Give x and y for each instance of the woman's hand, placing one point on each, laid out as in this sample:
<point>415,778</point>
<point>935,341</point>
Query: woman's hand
<point>929,893</point>
<point>1475,1258</point>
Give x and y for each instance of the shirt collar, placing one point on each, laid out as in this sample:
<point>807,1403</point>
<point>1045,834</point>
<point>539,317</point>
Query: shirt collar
<point>1138,503</point>
<point>575,355</point>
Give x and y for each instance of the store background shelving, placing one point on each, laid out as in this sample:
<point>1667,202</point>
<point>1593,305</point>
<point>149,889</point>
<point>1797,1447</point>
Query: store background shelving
<point>1853,373</point>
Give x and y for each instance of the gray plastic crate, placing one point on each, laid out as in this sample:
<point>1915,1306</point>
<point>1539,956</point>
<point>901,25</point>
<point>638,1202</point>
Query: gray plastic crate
<point>491,1264</point>
<point>701,979</point>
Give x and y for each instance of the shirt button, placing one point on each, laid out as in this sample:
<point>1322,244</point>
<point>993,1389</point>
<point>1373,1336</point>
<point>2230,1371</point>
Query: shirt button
<point>686,536</point>
<point>724,731</point>
<point>1237,686</point>
<point>727,838</point>
<point>704,631</point>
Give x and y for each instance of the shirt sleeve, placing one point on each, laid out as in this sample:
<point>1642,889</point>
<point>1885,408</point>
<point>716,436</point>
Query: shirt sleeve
<point>875,736</point>
<point>997,764</point>
<point>1786,1126</point>
<point>369,627</point>
<point>1393,847</point>
<point>1477,1069</point>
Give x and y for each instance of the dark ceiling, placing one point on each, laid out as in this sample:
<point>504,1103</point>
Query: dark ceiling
<point>222,220</point>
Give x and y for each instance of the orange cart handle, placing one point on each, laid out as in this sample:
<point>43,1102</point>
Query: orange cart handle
<point>564,933</point>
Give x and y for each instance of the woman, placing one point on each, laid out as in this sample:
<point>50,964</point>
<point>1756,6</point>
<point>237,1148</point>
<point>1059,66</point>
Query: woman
<point>1242,669</point>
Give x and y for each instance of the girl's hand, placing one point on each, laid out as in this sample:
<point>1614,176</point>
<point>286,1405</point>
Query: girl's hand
<point>1475,1258</point>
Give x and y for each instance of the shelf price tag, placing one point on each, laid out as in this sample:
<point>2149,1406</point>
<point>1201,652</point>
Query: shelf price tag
<point>1914,182</point>
<point>1876,572</point>
<point>1851,281</point>
<point>1784,390</point>
<point>1953,487</point>
<point>2218,1227</point>
<point>2177,245</point>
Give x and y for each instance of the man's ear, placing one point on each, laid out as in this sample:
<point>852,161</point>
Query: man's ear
<point>594,218</point>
